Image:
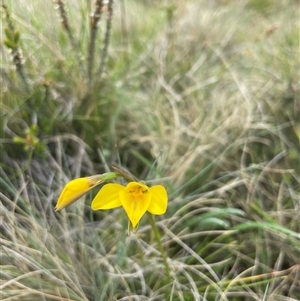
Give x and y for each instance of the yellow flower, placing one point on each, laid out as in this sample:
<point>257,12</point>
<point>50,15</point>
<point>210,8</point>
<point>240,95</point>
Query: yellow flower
<point>78,187</point>
<point>136,198</point>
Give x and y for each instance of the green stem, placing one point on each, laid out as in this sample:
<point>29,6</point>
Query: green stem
<point>123,174</point>
<point>161,249</point>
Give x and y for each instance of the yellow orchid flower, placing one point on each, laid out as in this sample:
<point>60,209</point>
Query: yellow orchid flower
<point>78,187</point>
<point>136,198</point>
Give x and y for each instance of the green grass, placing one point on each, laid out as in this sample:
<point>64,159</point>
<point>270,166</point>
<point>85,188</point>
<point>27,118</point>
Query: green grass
<point>202,97</point>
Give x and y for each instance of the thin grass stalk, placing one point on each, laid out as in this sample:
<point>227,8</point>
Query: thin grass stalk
<point>94,21</point>
<point>107,37</point>
<point>125,40</point>
<point>6,82</point>
<point>124,174</point>
<point>160,247</point>
<point>60,5</point>
<point>12,42</point>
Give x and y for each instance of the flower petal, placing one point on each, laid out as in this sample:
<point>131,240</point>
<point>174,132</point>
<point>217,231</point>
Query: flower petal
<point>108,197</point>
<point>159,200</point>
<point>135,199</point>
<point>76,189</point>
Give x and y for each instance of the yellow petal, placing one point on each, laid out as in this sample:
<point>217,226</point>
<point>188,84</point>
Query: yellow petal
<point>135,199</point>
<point>108,197</point>
<point>76,189</point>
<point>159,200</point>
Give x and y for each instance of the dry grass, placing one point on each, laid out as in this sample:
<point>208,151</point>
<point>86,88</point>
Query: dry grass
<point>200,97</point>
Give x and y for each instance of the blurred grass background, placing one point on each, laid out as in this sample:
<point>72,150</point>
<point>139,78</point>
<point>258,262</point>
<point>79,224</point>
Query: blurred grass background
<point>200,96</point>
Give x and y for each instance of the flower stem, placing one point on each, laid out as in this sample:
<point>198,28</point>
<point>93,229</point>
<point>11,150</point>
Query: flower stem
<point>124,174</point>
<point>161,249</point>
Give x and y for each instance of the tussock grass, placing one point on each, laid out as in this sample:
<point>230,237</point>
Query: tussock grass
<point>202,97</point>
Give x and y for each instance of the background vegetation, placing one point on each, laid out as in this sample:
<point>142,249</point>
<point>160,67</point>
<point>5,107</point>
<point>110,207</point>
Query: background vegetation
<point>201,96</point>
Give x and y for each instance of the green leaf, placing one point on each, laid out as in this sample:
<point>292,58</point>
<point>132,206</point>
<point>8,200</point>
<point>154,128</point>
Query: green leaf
<point>9,34</point>
<point>10,44</point>
<point>212,223</point>
<point>266,226</point>
<point>223,212</point>
<point>17,37</point>
<point>19,140</point>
